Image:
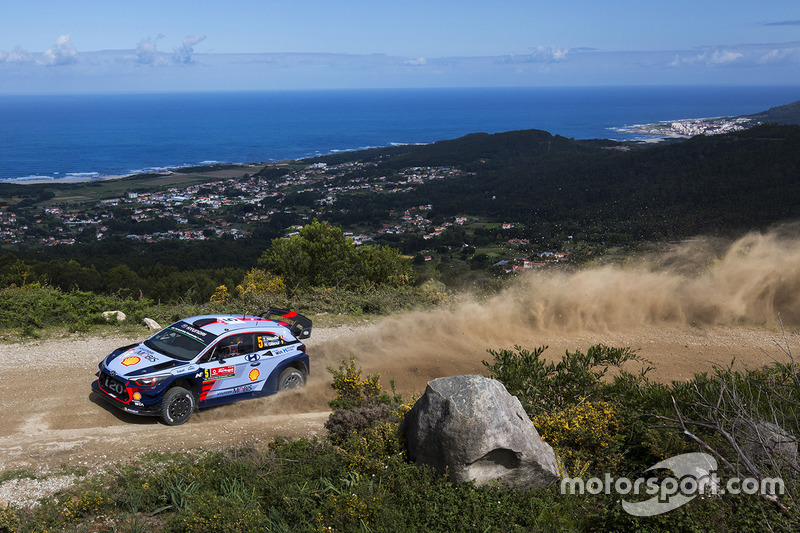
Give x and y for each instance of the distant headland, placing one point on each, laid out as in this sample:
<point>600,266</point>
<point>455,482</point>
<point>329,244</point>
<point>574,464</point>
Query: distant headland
<point>785,114</point>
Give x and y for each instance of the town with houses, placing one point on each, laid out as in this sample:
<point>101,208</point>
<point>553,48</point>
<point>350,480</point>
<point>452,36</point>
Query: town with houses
<point>692,127</point>
<point>231,207</point>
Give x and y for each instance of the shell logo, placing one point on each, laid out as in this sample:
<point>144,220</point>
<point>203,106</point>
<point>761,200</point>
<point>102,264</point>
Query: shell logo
<point>254,375</point>
<point>130,361</point>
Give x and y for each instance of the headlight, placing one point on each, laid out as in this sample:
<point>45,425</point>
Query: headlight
<point>149,381</point>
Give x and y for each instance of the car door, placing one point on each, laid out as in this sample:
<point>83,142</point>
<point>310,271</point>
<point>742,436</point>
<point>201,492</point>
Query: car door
<point>231,368</point>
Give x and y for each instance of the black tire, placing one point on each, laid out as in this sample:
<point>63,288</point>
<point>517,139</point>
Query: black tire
<point>291,378</point>
<point>177,406</point>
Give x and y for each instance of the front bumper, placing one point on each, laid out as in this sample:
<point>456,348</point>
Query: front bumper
<point>132,406</point>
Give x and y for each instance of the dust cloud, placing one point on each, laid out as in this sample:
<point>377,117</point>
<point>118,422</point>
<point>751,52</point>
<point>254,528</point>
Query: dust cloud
<point>313,398</point>
<point>699,299</point>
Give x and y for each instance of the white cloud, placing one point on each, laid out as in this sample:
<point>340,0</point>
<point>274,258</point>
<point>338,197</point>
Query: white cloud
<point>783,23</point>
<point>147,51</point>
<point>17,55</point>
<point>542,54</point>
<point>721,58</point>
<point>61,53</point>
<point>552,53</point>
<point>772,56</point>
<point>708,58</point>
<point>183,53</point>
<point>417,62</point>
<point>787,54</point>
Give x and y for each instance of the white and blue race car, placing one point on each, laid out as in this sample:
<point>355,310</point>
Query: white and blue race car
<point>207,360</point>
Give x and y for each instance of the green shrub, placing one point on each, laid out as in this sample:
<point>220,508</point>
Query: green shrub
<point>208,511</point>
<point>34,307</point>
<point>344,422</point>
<point>373,449</point>
<point>543,386</point>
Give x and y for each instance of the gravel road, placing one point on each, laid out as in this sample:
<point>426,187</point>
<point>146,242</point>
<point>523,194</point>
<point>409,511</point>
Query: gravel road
<point>51,419</point>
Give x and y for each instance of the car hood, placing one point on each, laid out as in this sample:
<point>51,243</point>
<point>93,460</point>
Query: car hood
<point>138,361</point>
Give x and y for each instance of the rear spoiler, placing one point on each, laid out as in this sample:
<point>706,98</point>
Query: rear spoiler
<point>299,325</point>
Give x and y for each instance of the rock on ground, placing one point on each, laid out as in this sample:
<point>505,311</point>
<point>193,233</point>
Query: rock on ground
<point>473,429</point>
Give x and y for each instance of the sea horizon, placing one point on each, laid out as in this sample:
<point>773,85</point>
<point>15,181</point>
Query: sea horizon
<point>83,137</point>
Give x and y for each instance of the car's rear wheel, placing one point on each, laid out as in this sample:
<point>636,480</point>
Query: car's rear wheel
<point>291,378</point>
<point>177,407</point>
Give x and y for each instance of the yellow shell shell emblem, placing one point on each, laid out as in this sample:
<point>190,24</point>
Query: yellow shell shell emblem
<point>130,361</point>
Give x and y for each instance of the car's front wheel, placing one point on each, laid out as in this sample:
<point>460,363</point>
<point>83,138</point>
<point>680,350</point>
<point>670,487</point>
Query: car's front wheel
<point>291,378</point>
<point>177,407</point>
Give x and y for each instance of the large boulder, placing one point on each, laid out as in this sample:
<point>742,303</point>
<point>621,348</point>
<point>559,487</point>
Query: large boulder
<point>471,428</point>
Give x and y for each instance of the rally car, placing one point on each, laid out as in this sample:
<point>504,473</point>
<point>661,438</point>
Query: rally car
<point>206,360</point>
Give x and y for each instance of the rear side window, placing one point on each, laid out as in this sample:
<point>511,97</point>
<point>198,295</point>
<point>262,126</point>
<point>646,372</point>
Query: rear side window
<point>268,340</point>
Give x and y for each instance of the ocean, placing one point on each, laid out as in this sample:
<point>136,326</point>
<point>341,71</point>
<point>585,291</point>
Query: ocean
<point>92,136</point>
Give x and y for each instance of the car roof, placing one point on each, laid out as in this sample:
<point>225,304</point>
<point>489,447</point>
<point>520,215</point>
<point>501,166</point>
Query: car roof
<point>222,324</point>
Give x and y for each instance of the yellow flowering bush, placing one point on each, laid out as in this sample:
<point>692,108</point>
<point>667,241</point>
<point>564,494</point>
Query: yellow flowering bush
<point>220,296</point>
<point>258,282</point>
<point>434,292</point>
<point>88,503</point>
<point>365,420</point>
<point>9,521</point>
<point>348,511</point>
<point>587,436</point>
<point>351,389</point>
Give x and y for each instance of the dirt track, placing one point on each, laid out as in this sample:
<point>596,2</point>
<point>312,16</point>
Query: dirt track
<point>49,418</point>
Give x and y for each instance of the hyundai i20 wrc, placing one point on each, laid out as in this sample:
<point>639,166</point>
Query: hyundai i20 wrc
<point>206,360</point>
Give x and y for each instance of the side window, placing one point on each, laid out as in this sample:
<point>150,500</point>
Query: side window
<point>234,346</point>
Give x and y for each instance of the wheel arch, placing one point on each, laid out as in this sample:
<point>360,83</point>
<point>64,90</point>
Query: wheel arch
<point>297,365</point>
<point>189,384</point>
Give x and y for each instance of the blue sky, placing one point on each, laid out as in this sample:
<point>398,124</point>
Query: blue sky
<point>167,45</point>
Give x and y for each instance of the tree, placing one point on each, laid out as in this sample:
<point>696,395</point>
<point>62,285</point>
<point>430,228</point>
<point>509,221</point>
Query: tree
<point>122,280</point>
<point>383,265</point>
<point>321,256</point>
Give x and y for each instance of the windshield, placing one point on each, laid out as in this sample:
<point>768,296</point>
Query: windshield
<point>175,344</point>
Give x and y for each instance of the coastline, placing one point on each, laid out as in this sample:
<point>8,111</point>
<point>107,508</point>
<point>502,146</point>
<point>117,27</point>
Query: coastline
<point>39,180</point>
<point>166,171</point>
<point>171,132</point>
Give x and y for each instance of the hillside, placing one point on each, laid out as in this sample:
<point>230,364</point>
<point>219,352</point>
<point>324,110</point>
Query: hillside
<point>785,114</point>
<point>716,184</point>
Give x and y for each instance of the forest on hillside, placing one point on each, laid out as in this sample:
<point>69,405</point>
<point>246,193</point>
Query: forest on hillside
<point>718,184</point>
